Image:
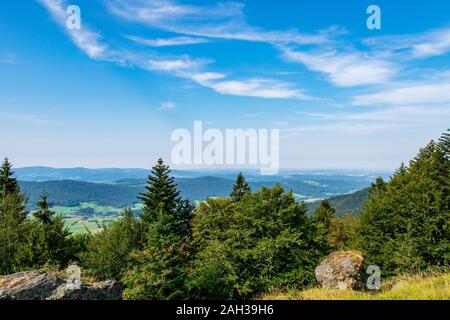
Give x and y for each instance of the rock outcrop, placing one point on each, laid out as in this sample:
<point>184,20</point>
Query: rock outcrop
<point>342,270</point>
<point>36,285</point>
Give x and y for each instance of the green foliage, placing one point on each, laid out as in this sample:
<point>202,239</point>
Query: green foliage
<point>342,232</point>
<point>321,223</point>
<point>14,229</point>
<point>346,203</point>
<point>107,253</point>
<point>44,214</point>
<point>8,184</point>
<point>240,188</point>
<point>405,223</point>
<point>29,244</point>
<point>159,270</point>
<point>324,215</point>
<point>162,193</point>
<point>244,248</point>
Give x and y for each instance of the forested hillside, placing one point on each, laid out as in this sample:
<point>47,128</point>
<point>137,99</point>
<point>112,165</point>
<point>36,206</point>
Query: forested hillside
<point>68,193</point>
<point>347,203</point>
<point>242,245</point>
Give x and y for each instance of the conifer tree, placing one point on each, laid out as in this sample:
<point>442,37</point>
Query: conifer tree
<point>12,202</point>
<point>161,194</point>
<point>444,143</point>
<point>240,188</point>
<point>324,215</point>
<point>158,271</point>
<point>8,184</point>
<point>44,214</point>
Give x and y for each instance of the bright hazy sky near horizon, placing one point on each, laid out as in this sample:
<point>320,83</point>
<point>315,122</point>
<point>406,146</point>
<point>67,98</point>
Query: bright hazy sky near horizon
<point>111,93</point>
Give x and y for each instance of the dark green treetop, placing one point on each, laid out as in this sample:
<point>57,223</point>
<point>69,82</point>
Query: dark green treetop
<point>240,188</point>
<point>161,194</point>
<point>8,184</point>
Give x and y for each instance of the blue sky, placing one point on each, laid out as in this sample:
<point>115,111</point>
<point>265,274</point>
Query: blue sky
<point>110,94</point>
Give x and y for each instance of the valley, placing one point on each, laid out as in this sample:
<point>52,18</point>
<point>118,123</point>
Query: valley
<point>89,198</point>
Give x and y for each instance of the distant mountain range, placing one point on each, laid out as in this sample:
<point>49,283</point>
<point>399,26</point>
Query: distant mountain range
<point>109,175</point>
<point>120,187</point>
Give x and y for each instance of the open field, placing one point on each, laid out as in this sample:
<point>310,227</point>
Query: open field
<point>89,217</point>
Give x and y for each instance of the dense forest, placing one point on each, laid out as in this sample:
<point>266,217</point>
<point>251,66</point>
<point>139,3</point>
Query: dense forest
<point>240,246</point>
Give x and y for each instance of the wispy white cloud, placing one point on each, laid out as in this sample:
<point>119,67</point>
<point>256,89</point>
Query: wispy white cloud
<point>179,65</point>
<point>193,70</point>
<point>412,94</point>
<point>167,42</point>
<point>25,118</point>
<point>344,69</point>
<point>400,114</point>
<point>384,120</point>
<point>182,66</point>
<point>84,38</point>
<point>422,45</point>
<point>166,106</point>
<point>270,89</point>
<point>225,20</point>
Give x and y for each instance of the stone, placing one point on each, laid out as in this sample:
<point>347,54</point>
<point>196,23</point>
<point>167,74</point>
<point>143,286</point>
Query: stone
<point>108,290</point>
<point>37,285</point>
<point>343,270</point>
<point>32,285</point>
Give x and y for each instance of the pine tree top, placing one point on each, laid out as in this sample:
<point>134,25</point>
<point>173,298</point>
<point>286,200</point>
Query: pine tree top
<point>8,184</point>
<point>161,192</point>
<point>240,188</point>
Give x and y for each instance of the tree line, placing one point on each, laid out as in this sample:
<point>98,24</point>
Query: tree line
<point>242,246</point>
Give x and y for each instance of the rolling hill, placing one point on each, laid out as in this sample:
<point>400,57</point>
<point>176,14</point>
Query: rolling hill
<point>69,193</point>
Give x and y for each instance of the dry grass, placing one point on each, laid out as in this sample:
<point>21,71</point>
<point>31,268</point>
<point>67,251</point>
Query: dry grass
<point>424,286</point>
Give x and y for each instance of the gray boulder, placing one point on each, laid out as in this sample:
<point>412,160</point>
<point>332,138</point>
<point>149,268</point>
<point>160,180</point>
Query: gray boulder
<point>37,285</point>
<point>108,290</point>
<point>342,270</point>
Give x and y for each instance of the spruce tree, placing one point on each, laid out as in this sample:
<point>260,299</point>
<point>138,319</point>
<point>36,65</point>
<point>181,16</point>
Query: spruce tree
<point>44,214</point>
<point>161,194</point>
<point>8,184</point>
<point>240,188</point>
<point>444,143</point>
<point>324,215</point>
<point>12,202</point>
<point>159,270</point>
<point>322,221</point>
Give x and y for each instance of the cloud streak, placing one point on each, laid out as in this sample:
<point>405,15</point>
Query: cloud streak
<point>167,106</point>
<point>416,94</point>
<point>423,45</point>
<point>85,39</point>
<point>344,69</point>
<point>162,12</point>
<point>167,42</point>
<point>222,21</point>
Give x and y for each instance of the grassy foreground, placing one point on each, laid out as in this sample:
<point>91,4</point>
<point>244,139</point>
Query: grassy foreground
<point>417,287</point>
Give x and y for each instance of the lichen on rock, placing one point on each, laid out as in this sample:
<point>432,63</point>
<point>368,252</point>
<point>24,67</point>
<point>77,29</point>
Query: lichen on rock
<point>38,285</point>
<point>342,270</point>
